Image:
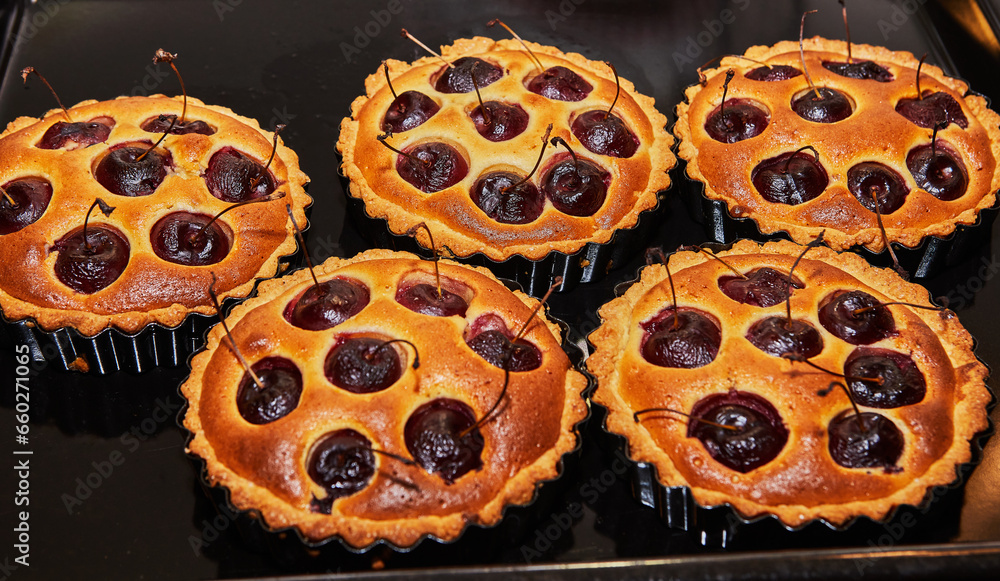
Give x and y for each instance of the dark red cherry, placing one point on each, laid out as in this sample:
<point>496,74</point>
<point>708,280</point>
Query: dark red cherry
<point>736,120</point>
<point>831,106</point>
<point>181,238</point>
<point>343,463</point>
<point>901,382</point>
<point>577,188</point>
<point>282,386</point>
<point>88,267</point>
<point>758,438</point>
<point>934,109</point>
<point>501,121</point>
<point>161,123</point>
<point>408,110</point>
<point>790,178</point>
<point>363,365</point>
<point>122,171</point>
<point>605,133</point>
<point>868,440</point>
<point>780,336</point>
<point>31,197</point>
<point>939,170</point>
<point>458,77</point>
<point>762,287</point>
<point>490,338</point>
<point>560,84</point>
<point>432,436</point>
<point>865,70</point>
<point>81,133</point>
<point>233,176</point>
<point>328,304</point>
<point>838,315</point>
<point>496,194</point>
<point>887,184</point>
<point>694,342</point>
<point>424,298</point>
<point>440,166</point>
<point>773,73</point>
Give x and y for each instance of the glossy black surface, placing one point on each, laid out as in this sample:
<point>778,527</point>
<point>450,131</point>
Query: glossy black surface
<point>302,63</point>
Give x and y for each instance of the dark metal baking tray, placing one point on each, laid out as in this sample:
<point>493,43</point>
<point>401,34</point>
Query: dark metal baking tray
<point>302,63</point>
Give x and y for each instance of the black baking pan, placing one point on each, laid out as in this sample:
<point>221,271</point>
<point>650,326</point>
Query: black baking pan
<point>121,500</point>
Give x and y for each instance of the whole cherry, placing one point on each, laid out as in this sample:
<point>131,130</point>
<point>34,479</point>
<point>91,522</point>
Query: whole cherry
<point>91,259</point>
<point>22,202</point>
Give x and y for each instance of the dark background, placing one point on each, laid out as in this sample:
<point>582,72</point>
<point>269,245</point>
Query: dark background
<point>285,62</point>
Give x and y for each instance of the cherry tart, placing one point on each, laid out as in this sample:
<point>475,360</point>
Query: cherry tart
<point>737,409</point>
<point>868,136</point>
<point>370,424</point>
<point>462,178</point>
<point>150,256</point>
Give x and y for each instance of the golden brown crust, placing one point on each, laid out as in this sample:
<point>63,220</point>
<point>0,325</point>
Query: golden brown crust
<point>151,289</point>
<point>874,132</point>
<point>524,441</point>
<point>802,483</point>
<point>455,219</point>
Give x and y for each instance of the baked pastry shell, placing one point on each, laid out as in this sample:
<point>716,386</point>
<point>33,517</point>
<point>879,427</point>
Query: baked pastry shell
<point>275,516</point>
<point>138,339</point>
<point>569,243</point>
<point>659,484</point>
<point>728,218</point>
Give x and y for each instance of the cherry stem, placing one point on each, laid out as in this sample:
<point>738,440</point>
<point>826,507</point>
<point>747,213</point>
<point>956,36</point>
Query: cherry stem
<point>716,257</point>
<point>725,89</point>
<point>10,200</point>
<point>396,457</point>
<point>635,417</point>
<point>702,79</point>
<point>475,85</point>
<point>24,77</point>
<point>885,237</point>
<point>863,310</point>
<point>802,54</point>
<point>788,292</point>
<point>388,81</point>
<point>788,162</point>
<point>618,88</point>
<point>408,156</point>
<point>163,56</point>
<point>495,21</point>
<point>416,354</point>
<point>800,359</point>
<point>302,241</point>
<point>274,149</point>
<point>406,34</point>
<point>576,162</point>
<point>173,120</point>
<point>229,335</point>
<point>653,254</point>
<point>545,142</point>
<point>843,5</point>
<point>556,282</point>
<point>268,198</point>
<point>437,271</point>
<point>937,126</point>
<point>105,209</point>
<point>920,96</point>
<point>857,412</point>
